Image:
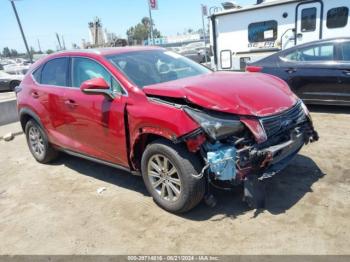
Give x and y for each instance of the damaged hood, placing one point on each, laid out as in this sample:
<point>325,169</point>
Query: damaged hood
<point>238,93</point>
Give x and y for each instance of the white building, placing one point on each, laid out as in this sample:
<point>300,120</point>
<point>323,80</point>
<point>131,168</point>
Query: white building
<point>97,36</point>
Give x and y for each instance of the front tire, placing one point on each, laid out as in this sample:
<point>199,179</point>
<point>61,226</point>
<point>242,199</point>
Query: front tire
<point>38,143</point>
<point>167,171</point>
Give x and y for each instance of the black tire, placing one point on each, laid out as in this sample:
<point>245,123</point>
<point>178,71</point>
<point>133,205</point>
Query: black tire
<point>49,153</point>
<point>13,85</point>
<point>186,163</point>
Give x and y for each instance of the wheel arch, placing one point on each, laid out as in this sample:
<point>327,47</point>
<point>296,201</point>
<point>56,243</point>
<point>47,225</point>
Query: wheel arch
<point>142,140</point>
<point>25,114</point>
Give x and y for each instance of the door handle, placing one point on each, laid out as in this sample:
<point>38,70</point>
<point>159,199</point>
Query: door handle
<point>70,103</point>
<point>35,94</point>
<point>346,72</point>
<point>290,70</point>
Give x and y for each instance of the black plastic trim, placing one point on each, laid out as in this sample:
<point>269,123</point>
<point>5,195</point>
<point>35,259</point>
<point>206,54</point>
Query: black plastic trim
<point>97,160</point>
<point>26,111</point>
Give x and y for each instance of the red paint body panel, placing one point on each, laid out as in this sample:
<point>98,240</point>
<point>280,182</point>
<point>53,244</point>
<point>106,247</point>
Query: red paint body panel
<point>48,105</point>
<point>96,126</point>
<point>148,117</point>
<point>109,129</point>
<point>96,83</point>
<point>256,129</point>
<point>237,93</point>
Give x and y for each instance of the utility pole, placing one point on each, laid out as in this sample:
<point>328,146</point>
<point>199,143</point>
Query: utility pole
<point>21,29</point>
<point>151,24</point>
<point>152,5</point>
<point>204,13</point>
<point>39,45</point>
<point>63,43</point>
<point>59,41</point>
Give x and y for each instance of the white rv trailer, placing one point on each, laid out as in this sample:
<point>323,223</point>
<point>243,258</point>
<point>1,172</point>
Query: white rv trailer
<point>247,34</point>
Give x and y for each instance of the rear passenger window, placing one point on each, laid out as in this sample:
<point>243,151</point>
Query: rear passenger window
<point>311,54</point>
<point>55,72</point>
<point>308,19</point>
<point>337,17</point>
<point>345,48</point>
<point>293,56</point>
<point>37,74</point>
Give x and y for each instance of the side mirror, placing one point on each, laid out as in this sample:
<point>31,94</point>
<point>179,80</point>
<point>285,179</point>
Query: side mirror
<point>96,86</point>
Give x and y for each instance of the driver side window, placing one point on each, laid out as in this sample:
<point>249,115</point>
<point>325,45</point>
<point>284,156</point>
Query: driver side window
<point>85,69</point>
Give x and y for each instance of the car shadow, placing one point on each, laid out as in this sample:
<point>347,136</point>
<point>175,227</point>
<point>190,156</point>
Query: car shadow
<point>329,109</point>
<point>283,191</point>
<point>102,172</point>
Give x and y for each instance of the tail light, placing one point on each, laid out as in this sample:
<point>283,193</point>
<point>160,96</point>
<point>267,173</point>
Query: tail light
<point>253,69</point>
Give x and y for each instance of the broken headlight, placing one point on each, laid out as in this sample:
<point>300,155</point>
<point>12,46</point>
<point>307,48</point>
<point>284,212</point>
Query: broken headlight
<point>217,126</point>
<point>305,109</point>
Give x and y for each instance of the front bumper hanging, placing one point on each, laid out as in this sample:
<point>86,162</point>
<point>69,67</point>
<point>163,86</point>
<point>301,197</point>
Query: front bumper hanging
<point>277,157</point>
<point>227,163</point>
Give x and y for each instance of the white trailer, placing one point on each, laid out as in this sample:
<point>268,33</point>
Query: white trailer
<point>247,34</point>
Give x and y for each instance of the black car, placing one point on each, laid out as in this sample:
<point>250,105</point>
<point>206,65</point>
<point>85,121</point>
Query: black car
<point>318,72</point>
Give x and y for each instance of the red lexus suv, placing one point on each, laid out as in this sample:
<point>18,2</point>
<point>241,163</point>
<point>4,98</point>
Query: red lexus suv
<point>152,112</point>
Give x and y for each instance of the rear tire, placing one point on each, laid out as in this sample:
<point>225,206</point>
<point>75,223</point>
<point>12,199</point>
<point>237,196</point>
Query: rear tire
<point>178,190</point>
<point>38,143</point>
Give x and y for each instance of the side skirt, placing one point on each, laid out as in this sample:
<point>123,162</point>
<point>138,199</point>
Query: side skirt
<point>99,161</point>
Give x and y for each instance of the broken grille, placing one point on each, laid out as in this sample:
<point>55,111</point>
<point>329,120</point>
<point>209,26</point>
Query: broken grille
<point>278,123</point>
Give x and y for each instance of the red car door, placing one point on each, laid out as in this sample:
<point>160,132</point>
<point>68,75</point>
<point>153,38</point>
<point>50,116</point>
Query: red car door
<point>96,122</point>
<point>48,99</point>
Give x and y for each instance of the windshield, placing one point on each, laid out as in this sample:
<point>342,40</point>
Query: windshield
<point>155,66</point>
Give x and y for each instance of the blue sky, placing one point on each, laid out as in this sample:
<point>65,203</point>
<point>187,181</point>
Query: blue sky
<point>41,19</point>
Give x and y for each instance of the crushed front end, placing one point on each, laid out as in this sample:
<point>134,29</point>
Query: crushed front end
<point>247,149</point>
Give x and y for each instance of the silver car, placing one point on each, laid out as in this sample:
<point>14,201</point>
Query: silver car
<point>8,82</point>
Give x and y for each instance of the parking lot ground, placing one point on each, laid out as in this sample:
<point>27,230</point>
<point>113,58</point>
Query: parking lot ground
<point>56,209</point>
<point>14,128</point>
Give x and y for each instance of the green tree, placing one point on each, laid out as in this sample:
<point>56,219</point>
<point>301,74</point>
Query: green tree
<point>156,33</point>
<point>141,31</point>
<point>14,53</point>
<point>6,52</point>
<point>49,51</point>
<point>146,21</point>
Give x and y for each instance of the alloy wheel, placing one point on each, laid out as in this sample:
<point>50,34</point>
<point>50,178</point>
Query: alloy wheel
<point>36,142</point>
<point>164,177</point>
